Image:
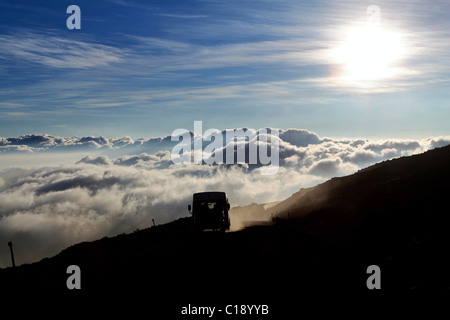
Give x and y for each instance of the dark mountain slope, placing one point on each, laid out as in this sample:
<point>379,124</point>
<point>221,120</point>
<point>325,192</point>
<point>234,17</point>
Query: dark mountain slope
<point>395,213</point>
<point>396,197</point>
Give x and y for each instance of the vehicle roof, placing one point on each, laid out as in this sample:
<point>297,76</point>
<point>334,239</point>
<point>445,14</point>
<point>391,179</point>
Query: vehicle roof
<point>210,195</point>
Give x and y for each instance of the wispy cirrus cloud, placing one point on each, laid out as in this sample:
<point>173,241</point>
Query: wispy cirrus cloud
<point>56,52</point>
<point>182,16</point>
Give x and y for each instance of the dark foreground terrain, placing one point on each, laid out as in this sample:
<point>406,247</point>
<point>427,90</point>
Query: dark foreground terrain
<point>394,215</point>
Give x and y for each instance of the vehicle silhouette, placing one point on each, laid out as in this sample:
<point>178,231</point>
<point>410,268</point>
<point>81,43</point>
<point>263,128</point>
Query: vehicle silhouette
<point>210,211</point>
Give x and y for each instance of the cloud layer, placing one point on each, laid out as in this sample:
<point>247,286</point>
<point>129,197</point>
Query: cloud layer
<point>121,184</point>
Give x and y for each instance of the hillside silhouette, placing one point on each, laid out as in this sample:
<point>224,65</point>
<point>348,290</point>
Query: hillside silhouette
<point>393,214</point>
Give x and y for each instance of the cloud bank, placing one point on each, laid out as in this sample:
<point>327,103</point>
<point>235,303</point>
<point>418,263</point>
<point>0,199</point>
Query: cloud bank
<point>121,184</point>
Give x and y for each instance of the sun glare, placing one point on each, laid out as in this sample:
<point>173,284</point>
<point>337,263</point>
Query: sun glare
<point>369,53</point>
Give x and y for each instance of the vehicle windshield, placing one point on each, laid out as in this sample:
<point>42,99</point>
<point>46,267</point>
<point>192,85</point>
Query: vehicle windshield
<point>206,206</point>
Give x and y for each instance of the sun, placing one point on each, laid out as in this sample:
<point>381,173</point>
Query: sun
<point>369,52</point>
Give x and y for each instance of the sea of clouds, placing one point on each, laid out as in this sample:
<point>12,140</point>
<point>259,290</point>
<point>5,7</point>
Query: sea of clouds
<point>56,191</point>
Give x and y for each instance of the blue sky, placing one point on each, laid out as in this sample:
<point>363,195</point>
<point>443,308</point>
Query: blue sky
<point>145,68</point>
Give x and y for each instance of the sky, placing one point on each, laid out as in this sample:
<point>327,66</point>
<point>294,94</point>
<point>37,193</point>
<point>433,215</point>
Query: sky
<point>86,115</point>
<point>146,68</point>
